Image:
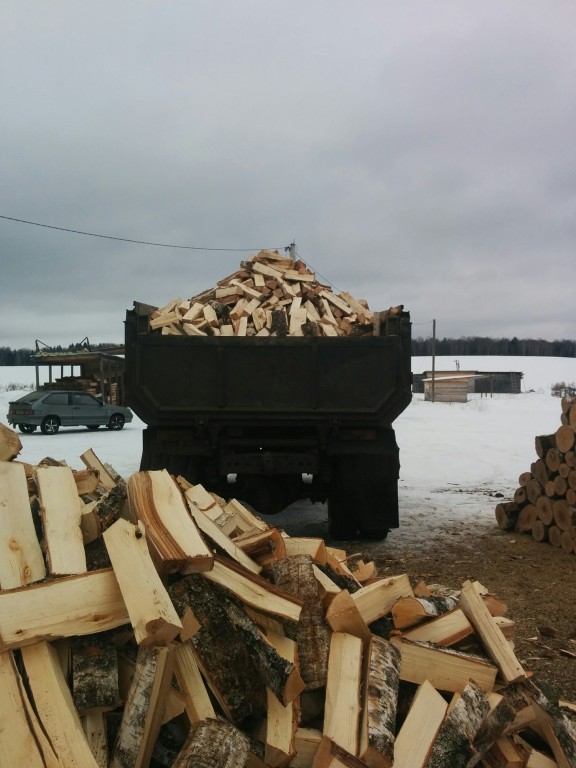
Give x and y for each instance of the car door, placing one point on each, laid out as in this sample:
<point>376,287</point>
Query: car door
<point>57,404</point>
<point>86,409</point>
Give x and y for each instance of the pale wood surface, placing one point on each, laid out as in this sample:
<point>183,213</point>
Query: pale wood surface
<point>53,702</point>
<point>22,743</point>
<point>492,637</point>
<point>152,615</point>
<point>75,605</point>
<point>282,718</point>
<point>61,510</point>
<point>342,710</point>
<point>417,734</point>
<point>21,560</point>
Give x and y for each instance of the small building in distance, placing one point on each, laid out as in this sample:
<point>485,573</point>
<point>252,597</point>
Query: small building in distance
<point>455,386</point>
<point>99,372</point>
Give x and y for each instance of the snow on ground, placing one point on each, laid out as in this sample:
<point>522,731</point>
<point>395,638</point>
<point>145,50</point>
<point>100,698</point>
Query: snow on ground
<point>453,455</point>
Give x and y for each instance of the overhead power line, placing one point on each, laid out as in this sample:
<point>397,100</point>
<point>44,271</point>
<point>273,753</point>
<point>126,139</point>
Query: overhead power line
<point>131,240</point>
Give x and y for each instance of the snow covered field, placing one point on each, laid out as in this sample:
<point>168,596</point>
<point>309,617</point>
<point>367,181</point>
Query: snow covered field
<point>453,455</point>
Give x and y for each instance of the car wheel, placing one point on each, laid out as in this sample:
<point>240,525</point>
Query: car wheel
<point>116,421</point>
<point>93,427</point>
<point>27,428</point>
<point>50,425</point>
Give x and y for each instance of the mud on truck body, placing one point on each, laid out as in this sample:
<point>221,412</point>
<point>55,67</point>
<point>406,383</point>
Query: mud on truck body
<point>273,420</point>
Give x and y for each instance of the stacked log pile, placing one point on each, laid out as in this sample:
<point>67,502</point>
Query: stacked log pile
<point>269,295</point>
<point>149,622</point>
<point>544,504</point>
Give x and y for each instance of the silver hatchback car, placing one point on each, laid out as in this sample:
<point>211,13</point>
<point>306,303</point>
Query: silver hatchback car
<point>52,409</point>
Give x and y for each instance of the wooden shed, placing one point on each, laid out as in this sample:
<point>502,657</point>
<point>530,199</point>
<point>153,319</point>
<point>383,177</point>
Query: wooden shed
<point>99,372</point>
<point>448,386</point>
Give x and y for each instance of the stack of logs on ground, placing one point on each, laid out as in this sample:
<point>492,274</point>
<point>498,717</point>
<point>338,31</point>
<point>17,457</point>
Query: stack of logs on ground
<point>269,295</point>
<point>544,503</point>
<point>149,622</point>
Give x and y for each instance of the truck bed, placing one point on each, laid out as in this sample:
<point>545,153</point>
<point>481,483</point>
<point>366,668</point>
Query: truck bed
<point>181,380</point>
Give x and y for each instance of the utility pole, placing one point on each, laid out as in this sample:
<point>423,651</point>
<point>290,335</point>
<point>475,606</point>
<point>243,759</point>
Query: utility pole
<point>292,250</point>
<point>433,360</point>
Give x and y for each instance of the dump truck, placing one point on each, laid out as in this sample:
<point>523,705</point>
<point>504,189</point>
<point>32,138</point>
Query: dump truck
<point>278,419</point>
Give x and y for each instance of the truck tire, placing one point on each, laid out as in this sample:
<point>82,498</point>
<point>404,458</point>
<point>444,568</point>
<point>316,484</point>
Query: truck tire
<point>363,497</point>
<point>342,506</point>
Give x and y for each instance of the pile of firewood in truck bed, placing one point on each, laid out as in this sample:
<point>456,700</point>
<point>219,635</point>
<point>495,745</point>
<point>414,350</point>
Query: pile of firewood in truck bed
<point>149,622</point>
<point>269,295</point>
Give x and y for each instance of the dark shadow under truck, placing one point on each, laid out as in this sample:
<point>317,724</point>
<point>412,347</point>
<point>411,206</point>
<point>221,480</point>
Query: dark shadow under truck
<point>289,417</point>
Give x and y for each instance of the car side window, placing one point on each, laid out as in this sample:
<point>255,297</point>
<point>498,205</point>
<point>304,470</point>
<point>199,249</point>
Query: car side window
<point>85,400</point>
<point>57,398</point>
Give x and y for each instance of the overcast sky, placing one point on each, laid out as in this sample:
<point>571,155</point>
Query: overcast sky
<point>419,153</point>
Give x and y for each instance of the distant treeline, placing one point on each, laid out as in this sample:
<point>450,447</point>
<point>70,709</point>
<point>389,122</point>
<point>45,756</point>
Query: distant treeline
<point>482,345</point>
<point>465,345</point>
<point>10,356</point>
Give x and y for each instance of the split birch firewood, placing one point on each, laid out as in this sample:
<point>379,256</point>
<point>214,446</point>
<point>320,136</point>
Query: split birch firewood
<point>236,686</point>
<point>491,729</point>
<point>343,685</point>
<point>61,508</point>
<point>95,729</point>
<point>197,700</point>
<point>152,615</point>
<point>459,729</point>
<point>279,672</point>
<point>381,683</point>
<point>295,575</point>
<point>10,444</point>
<point>446,669</point>
<point>21,560</point>
<point>22,740</point>
<point>418,732</point>
<point>54,705</point>
<point>254,590</point>
<point>262,546</point>
<point>332,755</point>
<point>504,752</point>
<point>99,515</point>
<point>343,615</point>
<point>306,743</point>
<point>213,532</point>
<point>409,611</point>
<point>300,545</point>
<point>213,743</point>
<point>553,724</point>
<point>376,600</point>
<point>446,630</point>
<point>92,461</point>
<point>144,708</point>
<point>87,481</point>
<point>174,540</point>
<point>492,638</point>
<point>75,605</point>
<point>328,588</point>
<point>94,674</point>
<point>282,716</point>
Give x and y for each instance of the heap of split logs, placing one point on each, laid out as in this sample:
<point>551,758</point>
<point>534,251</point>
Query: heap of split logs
<point>544,503</point>
<point>269,295</point>
<point>149,622</point>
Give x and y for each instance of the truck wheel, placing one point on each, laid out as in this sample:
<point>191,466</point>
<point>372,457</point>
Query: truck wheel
<point>342,504</point>
<point>378,505</point>
<point>341,525</point>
